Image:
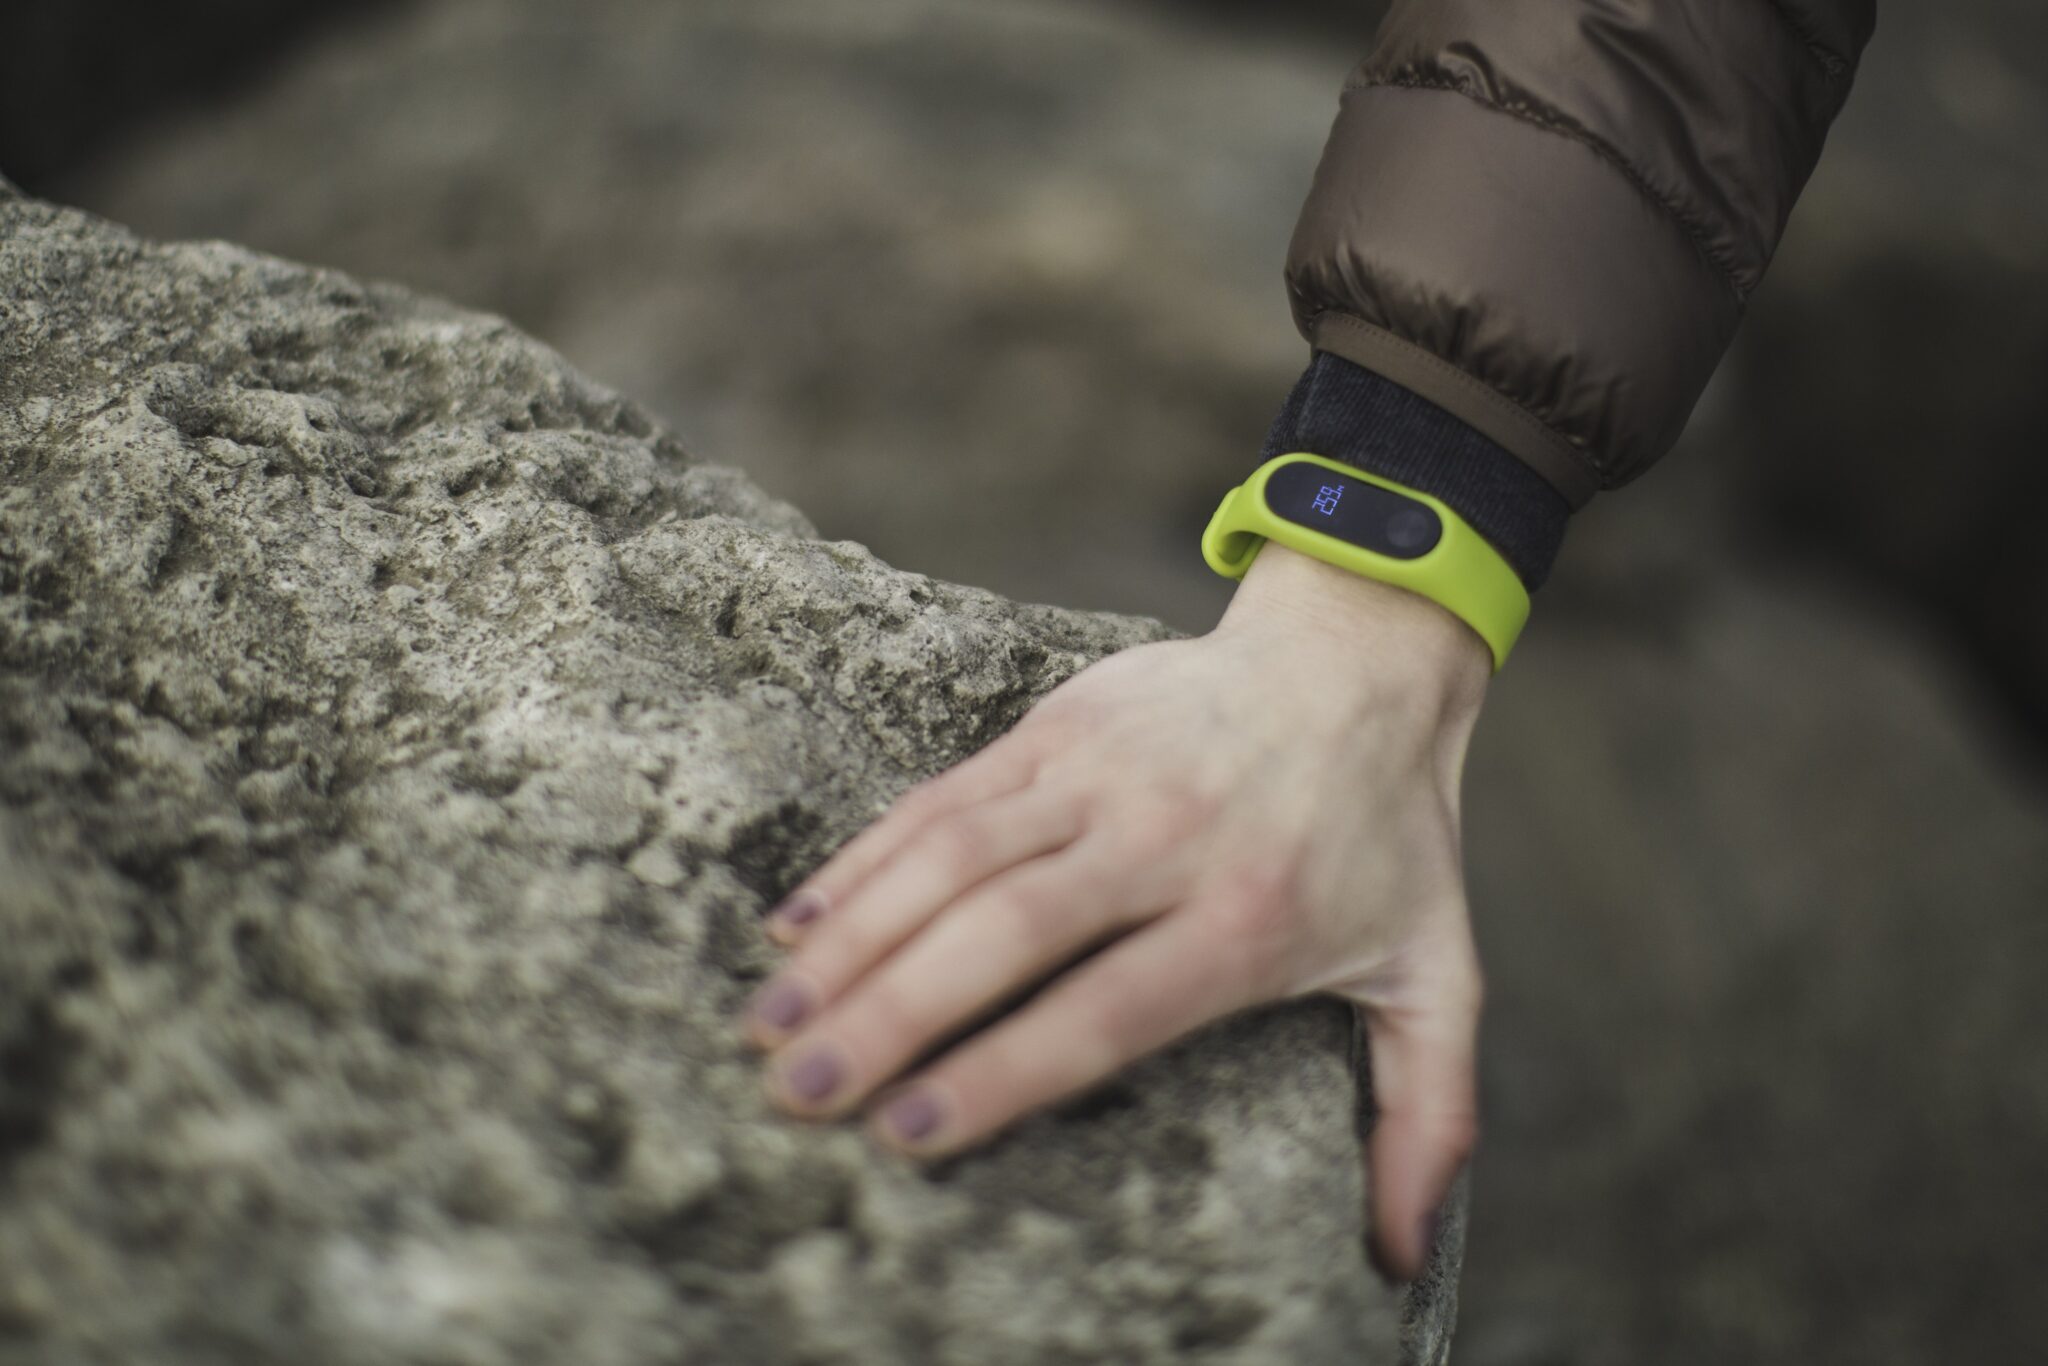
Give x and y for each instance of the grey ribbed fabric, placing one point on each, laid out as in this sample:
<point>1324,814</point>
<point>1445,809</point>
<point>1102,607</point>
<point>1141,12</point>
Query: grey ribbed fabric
<point>1349,413</point>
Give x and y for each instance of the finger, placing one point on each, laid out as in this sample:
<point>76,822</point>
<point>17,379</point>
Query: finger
<point>1138,994</point>
<point>1426,1095</point>
<point>992,772</point>
<point>1006,934</point>
<point>942,860</point>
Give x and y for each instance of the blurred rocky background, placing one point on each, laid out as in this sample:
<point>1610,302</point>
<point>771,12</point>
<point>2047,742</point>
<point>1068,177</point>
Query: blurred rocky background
<point>1758,823</point>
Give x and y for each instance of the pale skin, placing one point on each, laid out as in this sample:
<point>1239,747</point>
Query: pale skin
<point>1183,830</point>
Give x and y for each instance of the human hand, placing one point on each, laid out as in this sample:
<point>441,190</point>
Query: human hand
<point>1258,813</point>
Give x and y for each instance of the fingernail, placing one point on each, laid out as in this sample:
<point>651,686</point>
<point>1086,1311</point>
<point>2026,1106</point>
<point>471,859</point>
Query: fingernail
<point>800,909</point>
<point>813,1076</point>
<point>912,1115</point>
<point>780,1005</point>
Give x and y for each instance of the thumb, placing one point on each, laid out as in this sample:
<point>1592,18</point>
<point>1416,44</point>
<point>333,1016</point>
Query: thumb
<point>1426,1097</point>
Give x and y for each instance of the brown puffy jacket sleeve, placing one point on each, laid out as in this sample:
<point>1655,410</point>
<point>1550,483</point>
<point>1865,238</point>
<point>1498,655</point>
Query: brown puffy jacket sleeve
<point>1545,216</point>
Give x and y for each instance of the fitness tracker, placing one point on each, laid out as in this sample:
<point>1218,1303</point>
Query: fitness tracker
<point>1375,527</point>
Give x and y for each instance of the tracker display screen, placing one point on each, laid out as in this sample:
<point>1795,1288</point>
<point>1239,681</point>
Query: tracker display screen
<point>1366,515</point>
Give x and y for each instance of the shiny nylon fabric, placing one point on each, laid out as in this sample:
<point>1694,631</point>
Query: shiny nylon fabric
<point>1546,215</point>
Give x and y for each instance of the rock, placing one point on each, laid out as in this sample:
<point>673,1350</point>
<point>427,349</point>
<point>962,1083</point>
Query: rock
<point>922,266</point>
<point>1757,873</point>
<point>403,735</point>
<point>1037,242</point>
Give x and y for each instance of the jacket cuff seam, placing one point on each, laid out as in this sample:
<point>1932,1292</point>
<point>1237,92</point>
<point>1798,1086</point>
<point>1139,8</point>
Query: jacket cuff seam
<point>1491,412</point>
<point>1726,273</point>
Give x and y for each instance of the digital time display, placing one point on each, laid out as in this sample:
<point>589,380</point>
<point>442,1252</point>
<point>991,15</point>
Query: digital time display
<point>1352,510</point>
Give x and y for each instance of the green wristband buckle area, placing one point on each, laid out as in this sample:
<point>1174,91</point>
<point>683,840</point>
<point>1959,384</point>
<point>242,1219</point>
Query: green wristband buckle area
<point>1375,527</point>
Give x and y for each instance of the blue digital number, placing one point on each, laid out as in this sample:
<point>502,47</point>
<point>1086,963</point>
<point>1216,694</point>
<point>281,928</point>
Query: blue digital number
<point>1326,501</point>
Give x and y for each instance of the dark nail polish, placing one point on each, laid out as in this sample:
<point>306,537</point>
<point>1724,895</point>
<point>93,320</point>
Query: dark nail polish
<point>782,1004</point>
<point>801,909</point>
<point>912,1116</point>
<point>814,1076</point>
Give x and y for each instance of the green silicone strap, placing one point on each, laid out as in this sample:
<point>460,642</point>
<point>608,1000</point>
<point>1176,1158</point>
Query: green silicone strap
<point>1462,571</point>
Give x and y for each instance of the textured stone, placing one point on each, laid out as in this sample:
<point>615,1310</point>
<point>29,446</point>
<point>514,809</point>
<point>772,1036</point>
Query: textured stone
<point>401,737</point>
<point>919,266</point>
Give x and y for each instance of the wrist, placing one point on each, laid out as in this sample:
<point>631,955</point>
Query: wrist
<point>1376,629</point>
<point>1343,410</point>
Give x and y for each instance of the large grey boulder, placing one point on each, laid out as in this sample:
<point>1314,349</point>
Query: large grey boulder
<point>399,737</point>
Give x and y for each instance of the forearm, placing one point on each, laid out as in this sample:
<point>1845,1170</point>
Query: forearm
<point>1360,631</point>
<point>1532,233</point>
<point>1346,412</point>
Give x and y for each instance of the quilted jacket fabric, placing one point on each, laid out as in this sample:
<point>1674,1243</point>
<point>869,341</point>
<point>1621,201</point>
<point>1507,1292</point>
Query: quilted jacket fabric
<point>1545,216</point>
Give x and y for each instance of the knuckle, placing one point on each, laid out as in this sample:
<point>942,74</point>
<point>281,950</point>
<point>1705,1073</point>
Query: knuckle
<point>1463,990</point>
<point>1260,920</point>
<point>1024,917</point>
<point>889,1020</point>
<point>1448,1124</point>
<point>963,845</point>
<point>1157,822</point>
<point>1059,721</point>
<point>1107,1030</point>
<point>1259,903</point>
<point>837,952</point>
<point>1092,1015</point>
<point>923,797</point>
<point>1460,1135</point>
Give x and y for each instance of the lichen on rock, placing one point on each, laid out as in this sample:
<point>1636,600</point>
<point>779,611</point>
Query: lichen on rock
<point>402,736</point>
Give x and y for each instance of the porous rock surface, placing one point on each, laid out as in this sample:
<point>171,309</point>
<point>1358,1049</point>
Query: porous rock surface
<point>399,739</point>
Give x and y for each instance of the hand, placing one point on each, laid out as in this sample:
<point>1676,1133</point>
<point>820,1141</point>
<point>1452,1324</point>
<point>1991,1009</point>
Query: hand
<point>1258,813</point>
